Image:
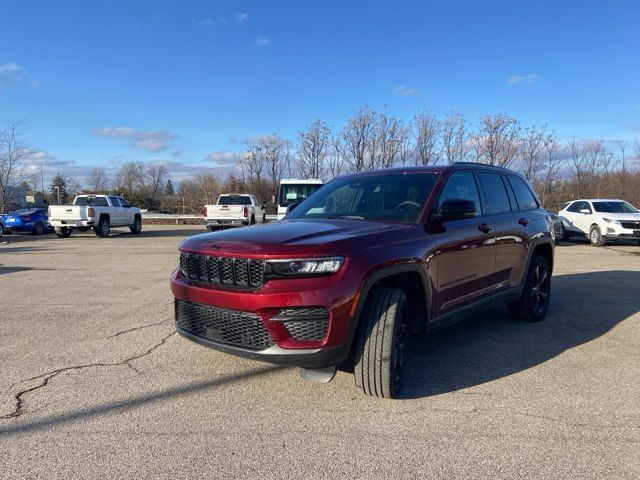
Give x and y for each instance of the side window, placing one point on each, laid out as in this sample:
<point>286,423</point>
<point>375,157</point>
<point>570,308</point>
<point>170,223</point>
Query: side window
<point>575,207</point>
<point>494,195</point>
<point>526,200</point>
<point>114,201</point>
<point>461,186</point>
<point>123,202</point>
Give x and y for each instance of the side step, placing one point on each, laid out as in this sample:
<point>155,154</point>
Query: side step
<point>318,375</point>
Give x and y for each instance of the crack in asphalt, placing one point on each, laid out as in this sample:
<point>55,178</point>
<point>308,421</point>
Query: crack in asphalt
<point>138,328</point>
<point>18,410</point>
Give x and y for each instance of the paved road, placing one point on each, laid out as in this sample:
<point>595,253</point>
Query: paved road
<point>94,383</point>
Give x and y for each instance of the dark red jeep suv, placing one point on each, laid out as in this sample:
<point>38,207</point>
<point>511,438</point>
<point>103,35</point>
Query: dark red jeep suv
<point>363,263</point>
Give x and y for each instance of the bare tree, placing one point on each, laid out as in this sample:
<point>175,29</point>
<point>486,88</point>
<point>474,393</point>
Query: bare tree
<point>13,153</point>
<point>357,138</point>
<point>97,180</point>
<point>426,132</point>
<point>336,164</point>
<point>390,134</point>
<point>313,146</point>
<point>455,138</point>
<point>275,151</point>
<point>534,144</point>
<point>498,140</point>
<point>129,177</point>
<point>154,179</point>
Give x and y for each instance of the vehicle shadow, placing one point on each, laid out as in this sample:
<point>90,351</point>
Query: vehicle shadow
<point>6,270</point>
<point>491,346</point>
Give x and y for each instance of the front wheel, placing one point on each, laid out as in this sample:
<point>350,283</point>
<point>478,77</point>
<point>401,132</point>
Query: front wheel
<point>137,226</point>
<point>63,232</point>
<point>595,236</point>
<point>534,302</point>
<point>380,342</point>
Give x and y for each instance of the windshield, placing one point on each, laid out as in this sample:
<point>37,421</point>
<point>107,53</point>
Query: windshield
<point>23,211</point>
<point>397,197</point>
<point>95,201</point>
<point>296,193</point>
<point>233,200</point>
<point>613,207</point>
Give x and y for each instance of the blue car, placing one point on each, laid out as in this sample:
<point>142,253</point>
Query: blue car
<point>33,220</point>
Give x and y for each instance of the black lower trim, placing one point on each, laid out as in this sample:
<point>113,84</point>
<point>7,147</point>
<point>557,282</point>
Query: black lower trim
<point>307,358</point>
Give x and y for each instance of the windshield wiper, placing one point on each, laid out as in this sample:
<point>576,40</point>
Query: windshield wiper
<point>346,217</point>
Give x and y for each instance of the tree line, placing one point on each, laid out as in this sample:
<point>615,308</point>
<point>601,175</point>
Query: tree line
<point>560,170</point>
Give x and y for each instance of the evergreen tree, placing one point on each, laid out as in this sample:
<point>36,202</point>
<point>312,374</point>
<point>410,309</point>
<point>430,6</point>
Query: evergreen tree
<point>61,184</point>
<point>169,190</point>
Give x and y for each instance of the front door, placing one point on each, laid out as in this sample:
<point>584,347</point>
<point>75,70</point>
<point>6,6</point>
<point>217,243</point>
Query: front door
<point>466,250</point>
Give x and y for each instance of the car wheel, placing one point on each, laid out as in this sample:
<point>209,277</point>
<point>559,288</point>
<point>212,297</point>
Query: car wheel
<point>38,229</point>
<point>252,221</point>
<point>63,232</point>
<point>534,302</point>
<point>103,229</point>
<point>1,229</point>
<point>595,236</point>
<point>137,226</point>
<point>380,341</point>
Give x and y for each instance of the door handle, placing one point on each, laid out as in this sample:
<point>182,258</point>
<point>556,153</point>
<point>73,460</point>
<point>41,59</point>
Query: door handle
<point>485,228</point>
<point>524,222</point>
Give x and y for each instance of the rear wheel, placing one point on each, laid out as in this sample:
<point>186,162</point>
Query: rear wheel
<point>137,226</point>
<point>38,229</point>
<point>63,232</point>
<point>252,221</point>
<point>1,229</point>
<point>103,229</point>
<point>380,341</point>
<point>595,236</point>
<point>534,302</point>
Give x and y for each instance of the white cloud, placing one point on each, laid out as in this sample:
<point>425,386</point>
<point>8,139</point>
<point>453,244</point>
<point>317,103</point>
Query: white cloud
<point>405,91</point>
<point>241,17</point>
<point>222,157</point>
<point>528,78</point>
<point>13,74</point>
<point>150,140</point>
<point>263,42</point>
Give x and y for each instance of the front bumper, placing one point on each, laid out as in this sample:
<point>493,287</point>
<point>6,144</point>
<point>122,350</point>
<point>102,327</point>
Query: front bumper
<point>618,233</point>
<point>267,304</point>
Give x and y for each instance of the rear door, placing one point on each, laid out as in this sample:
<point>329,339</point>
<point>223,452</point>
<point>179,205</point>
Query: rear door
<point>466,250</point>
<point>511,226</point>
<point>115,211</point>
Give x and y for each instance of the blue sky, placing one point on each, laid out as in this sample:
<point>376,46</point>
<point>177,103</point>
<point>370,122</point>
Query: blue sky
<point>99,83</point>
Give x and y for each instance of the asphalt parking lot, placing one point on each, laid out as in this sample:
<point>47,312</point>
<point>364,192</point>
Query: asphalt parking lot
<point>95,383</point>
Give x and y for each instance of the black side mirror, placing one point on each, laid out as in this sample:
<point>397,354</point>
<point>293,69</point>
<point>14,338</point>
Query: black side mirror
<point>291,207</point>
<point>456,209</point>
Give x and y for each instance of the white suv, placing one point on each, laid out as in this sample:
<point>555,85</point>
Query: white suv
<point>600,220</point>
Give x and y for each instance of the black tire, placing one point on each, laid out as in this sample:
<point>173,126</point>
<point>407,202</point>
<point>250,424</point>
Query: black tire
<point>38,229</point>
<point>264,219</point>
<point>595,236</point>
<point>534,302</point>
<point>252,221</point>
<point>2,230</point>
<point>379,347</point>
<point>565,234</point>
<point>103,229</point>
<point>136,228</point>
<point>63,232</point>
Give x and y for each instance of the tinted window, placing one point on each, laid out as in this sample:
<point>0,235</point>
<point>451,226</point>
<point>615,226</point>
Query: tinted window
<point>114,201</point>
<point>396,197</point>
<point>494,195</point>
<point>613,207</point>
<point>234,200</point>
<point>95,201</point>
<point>526,200</point>
<point>575,207</point>
<point>123,202</point>
<point>461,186</point>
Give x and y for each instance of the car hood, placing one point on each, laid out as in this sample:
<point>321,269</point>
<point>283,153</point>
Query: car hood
<point>294,237</point>
<point>621,216</point>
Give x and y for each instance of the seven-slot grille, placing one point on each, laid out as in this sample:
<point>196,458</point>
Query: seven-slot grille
<point>240,272</point>
<point>307,324</point>
<point>231,327</point>
<point>630,224</point>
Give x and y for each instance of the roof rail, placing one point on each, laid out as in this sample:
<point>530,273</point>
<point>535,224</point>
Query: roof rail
<point>481,164</point>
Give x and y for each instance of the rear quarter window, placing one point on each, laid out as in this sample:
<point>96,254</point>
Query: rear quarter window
<point>524,197</point>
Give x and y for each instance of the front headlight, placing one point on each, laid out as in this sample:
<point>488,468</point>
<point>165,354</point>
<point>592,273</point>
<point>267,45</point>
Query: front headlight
<point>611,220</point>
<point>303,267</point>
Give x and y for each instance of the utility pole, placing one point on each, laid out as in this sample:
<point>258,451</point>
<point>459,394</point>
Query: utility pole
<point>58,190</point>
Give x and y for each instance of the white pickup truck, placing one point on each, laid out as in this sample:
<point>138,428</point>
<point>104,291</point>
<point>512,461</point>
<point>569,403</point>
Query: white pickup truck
<point>233,210</point>
<point>100,212</point>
